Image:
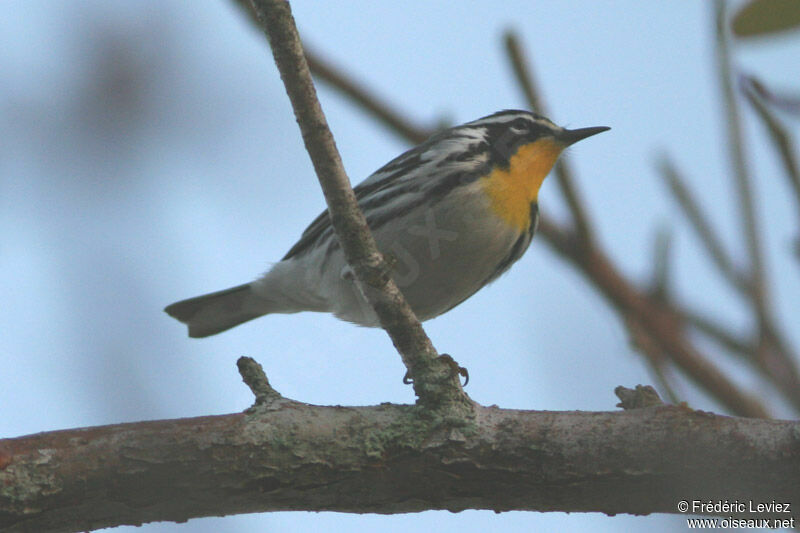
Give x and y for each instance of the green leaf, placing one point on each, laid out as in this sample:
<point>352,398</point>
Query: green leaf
<point>762,17</point>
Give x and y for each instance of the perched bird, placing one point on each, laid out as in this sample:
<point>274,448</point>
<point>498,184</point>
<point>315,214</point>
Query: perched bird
<point>451,214</point>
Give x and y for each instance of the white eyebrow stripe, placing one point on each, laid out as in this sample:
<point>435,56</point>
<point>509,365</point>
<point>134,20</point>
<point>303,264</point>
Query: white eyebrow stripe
<point>499,119</point>
<point>504,117</point>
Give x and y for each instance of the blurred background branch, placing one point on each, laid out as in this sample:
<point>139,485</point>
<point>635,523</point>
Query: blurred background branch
<point>759,98</point>
<point>563,172</point>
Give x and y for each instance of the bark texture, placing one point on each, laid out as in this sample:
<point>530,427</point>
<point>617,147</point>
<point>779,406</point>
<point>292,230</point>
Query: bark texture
<point>286,455</point>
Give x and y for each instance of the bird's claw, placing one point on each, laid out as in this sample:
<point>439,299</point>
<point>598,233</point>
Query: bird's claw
<point>457,369</point>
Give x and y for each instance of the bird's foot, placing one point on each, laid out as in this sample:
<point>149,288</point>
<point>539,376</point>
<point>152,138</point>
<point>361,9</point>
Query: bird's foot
<point>456,368</point>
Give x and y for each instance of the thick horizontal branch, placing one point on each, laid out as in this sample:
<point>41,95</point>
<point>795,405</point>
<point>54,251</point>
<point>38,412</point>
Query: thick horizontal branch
<point>388,459</point>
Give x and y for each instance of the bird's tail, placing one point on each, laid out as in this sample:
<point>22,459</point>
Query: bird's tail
<point>215,312</point>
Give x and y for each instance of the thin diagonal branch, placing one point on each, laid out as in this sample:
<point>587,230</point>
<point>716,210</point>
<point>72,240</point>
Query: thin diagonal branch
<point>662,256</point>
<point>564,175</point>
<point>660,374</point>
<point>369,101</point>
<point>772,350</point>
<point>660,322</point>
<point>654,356</point>
<point>361,96</point>
<point>777,365</point>
<point>656,359</point>
<point>779,362</point>
<point>431,382</point>
<point>781,139</point>
<point>786,102</point>
<point>700,224</point>
<point>720,334</point>
<point>744,188</point>
<point>519,65</point>
<point>769,352</point>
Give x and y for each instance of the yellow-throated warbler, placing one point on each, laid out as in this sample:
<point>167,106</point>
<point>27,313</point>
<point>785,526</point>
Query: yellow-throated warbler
<point>453,214</point>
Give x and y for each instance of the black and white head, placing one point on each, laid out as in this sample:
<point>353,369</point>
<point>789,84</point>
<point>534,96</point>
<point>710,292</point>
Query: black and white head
<point>506,131</point>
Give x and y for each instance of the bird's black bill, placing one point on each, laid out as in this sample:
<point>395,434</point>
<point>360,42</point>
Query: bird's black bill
<point>572,136</point>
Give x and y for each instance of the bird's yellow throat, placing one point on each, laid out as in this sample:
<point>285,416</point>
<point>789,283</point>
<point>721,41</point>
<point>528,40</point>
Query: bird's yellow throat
<point>512,190</point>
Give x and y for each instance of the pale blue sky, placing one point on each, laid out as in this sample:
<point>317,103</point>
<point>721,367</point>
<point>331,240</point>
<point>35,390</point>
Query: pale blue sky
<point>148,153</point>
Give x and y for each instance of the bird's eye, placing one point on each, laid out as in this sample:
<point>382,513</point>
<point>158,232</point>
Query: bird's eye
<point>519,125</point>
